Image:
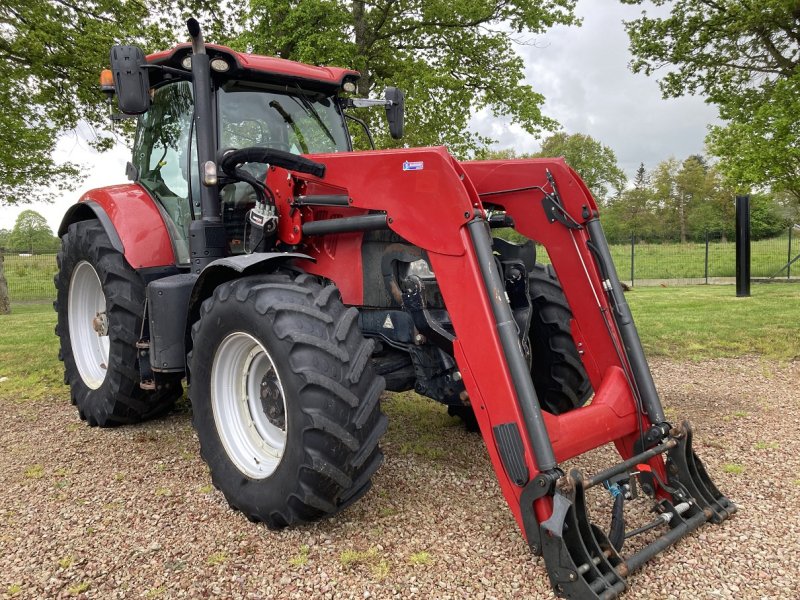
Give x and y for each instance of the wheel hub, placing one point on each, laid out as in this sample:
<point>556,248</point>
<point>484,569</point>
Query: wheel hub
<point>100,323</point>
<point>272,400</point>
<point>249,405</point>
<point>87,319</point>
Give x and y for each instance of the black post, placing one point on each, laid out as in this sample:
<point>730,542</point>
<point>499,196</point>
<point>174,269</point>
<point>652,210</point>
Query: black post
<point>706,268</point>
<point>742,246</point>
<point>789,255</point>
<point>633,242</point>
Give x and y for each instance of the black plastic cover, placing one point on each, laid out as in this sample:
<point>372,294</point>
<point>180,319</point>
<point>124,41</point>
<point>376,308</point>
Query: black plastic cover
<point>168,304</point>
<point>131,79</point>
<point>512,453</point>
<point>395,111</point>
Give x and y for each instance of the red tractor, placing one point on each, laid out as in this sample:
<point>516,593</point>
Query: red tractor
<point>291,280</point>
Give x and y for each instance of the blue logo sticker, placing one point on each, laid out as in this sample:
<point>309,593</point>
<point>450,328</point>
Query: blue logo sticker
<point>416,165</point>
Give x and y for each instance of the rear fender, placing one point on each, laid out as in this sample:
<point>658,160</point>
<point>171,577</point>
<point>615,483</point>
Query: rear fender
<point>132,220</point>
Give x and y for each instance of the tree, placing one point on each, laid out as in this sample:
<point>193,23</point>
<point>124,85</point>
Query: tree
<point>743,56</point>
<point>691,191</point>
<point>593,161</point>
<point>31,233</point>
<point>633,211</point>
<point>51,55</point>
<point>4,233</point>
<point>451,56</point>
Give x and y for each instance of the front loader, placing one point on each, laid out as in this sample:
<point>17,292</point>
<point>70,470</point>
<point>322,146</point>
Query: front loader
<point>290,280</point>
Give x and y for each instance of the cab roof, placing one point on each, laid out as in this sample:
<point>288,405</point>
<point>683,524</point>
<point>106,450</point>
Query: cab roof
<point>253,67</point>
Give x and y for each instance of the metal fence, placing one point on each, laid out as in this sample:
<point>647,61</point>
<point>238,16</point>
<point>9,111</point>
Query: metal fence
<point>712,260</point>
<point>30,276</point>
<point>639,262</point>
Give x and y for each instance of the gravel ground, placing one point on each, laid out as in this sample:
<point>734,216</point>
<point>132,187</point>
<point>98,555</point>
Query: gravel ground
<point>130,513</point>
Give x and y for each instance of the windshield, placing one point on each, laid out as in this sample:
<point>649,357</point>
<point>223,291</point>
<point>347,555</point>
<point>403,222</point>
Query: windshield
<point>301,123</point>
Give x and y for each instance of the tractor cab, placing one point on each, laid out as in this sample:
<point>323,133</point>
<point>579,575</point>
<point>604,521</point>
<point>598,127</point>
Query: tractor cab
<point>256,102</point>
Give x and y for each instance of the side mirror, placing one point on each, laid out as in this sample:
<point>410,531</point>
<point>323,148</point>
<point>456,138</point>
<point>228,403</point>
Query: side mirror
<point>131,79</point>
<point>395,111</point>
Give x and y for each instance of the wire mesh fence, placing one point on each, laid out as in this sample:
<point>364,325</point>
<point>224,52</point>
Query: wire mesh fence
<point>30,276</point>
<point>712,260</point>
<point>639,262</point>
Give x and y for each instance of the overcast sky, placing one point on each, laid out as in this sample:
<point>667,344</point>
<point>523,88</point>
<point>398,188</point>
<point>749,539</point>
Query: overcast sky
<point>583,74</point>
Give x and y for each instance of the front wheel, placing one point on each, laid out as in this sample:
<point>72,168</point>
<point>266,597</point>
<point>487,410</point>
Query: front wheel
<point>285,401</point>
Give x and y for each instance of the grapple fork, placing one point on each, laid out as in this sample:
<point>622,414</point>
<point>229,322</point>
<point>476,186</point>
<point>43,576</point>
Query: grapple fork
<point>581,561</point>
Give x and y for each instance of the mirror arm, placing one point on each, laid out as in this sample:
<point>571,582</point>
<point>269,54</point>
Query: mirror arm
<point>183,74</point>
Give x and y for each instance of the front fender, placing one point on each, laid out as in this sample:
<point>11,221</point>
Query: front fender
<point>233,267</point>
<point>132,221</point>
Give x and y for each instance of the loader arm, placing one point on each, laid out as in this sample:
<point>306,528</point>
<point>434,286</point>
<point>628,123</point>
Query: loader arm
<point>440,205</point>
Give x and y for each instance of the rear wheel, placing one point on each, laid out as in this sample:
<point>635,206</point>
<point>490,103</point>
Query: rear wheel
<point>100,301</point>
<point>558,375</point>
<point>285,401</point>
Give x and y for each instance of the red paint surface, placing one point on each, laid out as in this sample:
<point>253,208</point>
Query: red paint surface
<point>430,207</point>
<point>138,222</point>
<point>266,64</point>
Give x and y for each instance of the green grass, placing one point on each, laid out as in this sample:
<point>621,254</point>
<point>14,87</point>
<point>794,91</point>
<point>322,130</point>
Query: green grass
<point>420,559</point>
<point>733,468</point>
<point>696,322</point>
<point>30,277</point>
<point>29,353</point>
<point>683,323</point>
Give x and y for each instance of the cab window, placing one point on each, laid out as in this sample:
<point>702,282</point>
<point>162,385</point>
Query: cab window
<point>163,158</point>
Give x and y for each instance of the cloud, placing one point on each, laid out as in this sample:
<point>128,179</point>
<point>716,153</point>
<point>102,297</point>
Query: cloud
<point>584,76</point>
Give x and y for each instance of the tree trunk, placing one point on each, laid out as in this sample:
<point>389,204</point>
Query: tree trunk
<point>5,301</point>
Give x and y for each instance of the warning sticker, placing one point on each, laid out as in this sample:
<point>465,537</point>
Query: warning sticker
<point>413,165</point>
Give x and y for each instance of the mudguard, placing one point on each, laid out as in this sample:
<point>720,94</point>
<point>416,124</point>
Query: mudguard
<point>233,267</point>
<point>132,220</point>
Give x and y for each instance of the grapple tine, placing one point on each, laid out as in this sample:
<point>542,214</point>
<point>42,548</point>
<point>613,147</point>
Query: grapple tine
<point>686,468</point>
<point>579,560</point>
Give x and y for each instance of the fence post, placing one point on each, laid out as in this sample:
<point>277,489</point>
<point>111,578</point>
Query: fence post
<point>742,246</point>
<point>633,243</point>
<point>789,255</point>
<point>706,265</point>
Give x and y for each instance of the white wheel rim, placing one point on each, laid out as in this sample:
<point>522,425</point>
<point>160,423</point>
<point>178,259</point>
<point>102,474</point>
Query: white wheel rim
<point>249,405</point>
<point>88,325</point>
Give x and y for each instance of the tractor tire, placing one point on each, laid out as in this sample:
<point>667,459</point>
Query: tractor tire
<point>285,401</point>
<point>558,375</point>
<point>100,300</point>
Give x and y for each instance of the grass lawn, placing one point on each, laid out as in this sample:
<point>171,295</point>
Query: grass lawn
<point>682,323</point>
<point>695,322</point>
<point>687,261</point>
<point>29,353</point>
